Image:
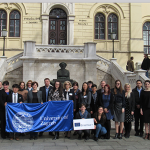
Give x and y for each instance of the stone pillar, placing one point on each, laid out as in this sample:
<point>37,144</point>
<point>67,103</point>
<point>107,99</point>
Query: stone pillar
<point>29,48</point>
<point>70,30</point>
<point>140,72</point>
<point>45,31</point>
<point>90,50</point>
<point>28,70</point>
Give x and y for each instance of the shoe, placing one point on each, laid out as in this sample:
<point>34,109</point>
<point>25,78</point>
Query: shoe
<point>141,134</point>
<point>116,136</point>
<point>54,138</point>
<point>125,135</point>
<point>11,139</point>
<point>136,133</point>
<point>79,137</point>
<point>96,139</point>
<point>41,134</point>
<point>17,139</point>
<point>120,136</point>
<point>146,136</point>
<point>51,133</point>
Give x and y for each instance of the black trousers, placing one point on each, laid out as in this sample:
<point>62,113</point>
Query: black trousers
<point>3,124</point>
<point>108,127</point>
<point>127,126</point>
<point>138,117</point>
<point>86,132</point>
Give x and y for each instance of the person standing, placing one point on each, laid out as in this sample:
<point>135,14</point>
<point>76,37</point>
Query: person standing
<point>22,91</point>
<point>129,110</point>
<point>45,91</point>
<point>14,98</point>
<point>145,108</point>
<point>34,96</point>
<point>99,120</point>
<point>146,64</point>
<point>130,65</point>
<point>85,96</point>
<point>90,83</point>
<point>106,101</point>
<point>69,95</point>
<point>119,107</point>
<point>138,117</point>
<point>56,94</point>
<point>29,85</point>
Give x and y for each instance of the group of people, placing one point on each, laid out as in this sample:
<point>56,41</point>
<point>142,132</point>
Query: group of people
<point>145,64</point>
<point>119,104</point>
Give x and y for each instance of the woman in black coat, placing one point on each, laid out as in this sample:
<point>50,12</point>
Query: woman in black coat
<point>85,96</point>
<point>129,110</point>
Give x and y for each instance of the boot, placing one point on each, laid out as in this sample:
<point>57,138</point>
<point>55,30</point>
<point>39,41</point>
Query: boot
<point>120,136</point>
<point>116,136</point>
<point>146,136</point>
<point>56,136</point>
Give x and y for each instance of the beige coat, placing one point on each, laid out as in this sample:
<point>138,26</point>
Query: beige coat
<point>130,64</point>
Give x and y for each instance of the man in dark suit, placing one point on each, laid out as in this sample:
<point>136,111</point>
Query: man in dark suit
<point>14,98</point>
<point>45,91</point>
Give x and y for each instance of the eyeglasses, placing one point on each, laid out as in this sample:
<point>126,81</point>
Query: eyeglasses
<point>117,83</point>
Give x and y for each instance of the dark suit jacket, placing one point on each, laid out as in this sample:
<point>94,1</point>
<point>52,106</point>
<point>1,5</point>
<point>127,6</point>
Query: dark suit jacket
<point>30,97</point>
<point>10,98</point>
<point>44,92</point>
<point>71,96</point>
<point>94,107</point>
<point>131,100</point>
<point>3,97</point>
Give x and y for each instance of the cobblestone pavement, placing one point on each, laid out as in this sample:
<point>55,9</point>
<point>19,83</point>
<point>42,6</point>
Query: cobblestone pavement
<point>46,143</point>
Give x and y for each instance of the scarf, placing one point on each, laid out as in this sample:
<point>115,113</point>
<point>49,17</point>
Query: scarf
<point>83,115</point>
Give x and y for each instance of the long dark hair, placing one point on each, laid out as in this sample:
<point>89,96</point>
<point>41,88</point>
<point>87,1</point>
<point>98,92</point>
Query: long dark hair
<point>120,88</point>
<point>60,89</point>
<point>87,88</point>
<point>103,114</point>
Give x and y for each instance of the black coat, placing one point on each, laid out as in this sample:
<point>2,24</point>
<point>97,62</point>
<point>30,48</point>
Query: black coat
<point>79,117</point>
<point>99,93</point>
<point>9,98</point>
<point>102,121</point>
<point>110,107</point>
<point>3,97</point>
<point>43,89</point>
<point>94,107</point>
<point>136,95</point>
<point>145,64</point>
<point>71,96</point>
<point>131,100</point>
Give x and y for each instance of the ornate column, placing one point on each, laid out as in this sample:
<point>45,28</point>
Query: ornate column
<point>45,23</point>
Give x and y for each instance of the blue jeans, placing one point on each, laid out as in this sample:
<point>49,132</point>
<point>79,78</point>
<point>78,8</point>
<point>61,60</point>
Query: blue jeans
<point>100,129</point>
<point>147,74</point>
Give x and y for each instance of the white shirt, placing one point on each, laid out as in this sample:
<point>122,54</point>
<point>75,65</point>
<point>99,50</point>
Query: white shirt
<point>67,95</point>
<point>13,96</point>
<point>30,88</point>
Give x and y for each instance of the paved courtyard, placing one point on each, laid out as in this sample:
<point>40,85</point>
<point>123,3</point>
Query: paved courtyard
<point>46,143</point>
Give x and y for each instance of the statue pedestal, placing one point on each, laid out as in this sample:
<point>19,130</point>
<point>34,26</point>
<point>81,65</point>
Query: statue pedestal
<point>62,81</point>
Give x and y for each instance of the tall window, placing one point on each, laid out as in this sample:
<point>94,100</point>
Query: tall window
<point>3,18</point>
<point>14,24</point>
<point>146,37</point>
<point>99,26</point>
<point>112,25</point>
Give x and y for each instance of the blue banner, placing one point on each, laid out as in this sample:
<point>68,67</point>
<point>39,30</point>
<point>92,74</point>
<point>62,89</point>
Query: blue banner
<point>47,117</point>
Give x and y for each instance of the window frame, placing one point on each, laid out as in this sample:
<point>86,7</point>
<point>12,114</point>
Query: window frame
<point>14,23</point>
<point>100,22</point>
<point>3,19</point>
<point>113,22</point>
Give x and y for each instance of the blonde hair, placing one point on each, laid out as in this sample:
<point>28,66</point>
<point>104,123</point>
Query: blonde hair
<point>129,93</point>
<point>67,82</point>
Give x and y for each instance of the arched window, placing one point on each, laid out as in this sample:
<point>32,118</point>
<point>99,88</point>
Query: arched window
<point>14,24</point>
<point>112,25</point>
<point>3,19</point>
<point>146,37</point>
<point>99,26</point>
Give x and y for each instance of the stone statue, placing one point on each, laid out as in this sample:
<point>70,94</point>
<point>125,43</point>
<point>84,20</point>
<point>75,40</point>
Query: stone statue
<point>63,74</point>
